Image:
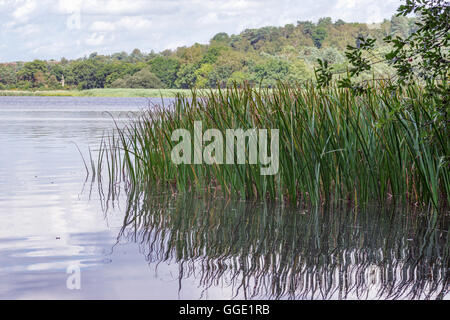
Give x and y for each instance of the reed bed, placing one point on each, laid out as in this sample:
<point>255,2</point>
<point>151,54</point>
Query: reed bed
<point>333,145</point>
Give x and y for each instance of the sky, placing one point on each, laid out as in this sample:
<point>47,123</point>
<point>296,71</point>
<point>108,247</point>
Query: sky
<point>51,29</point>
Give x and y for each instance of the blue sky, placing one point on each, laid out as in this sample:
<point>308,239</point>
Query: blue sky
<point>46,29</point>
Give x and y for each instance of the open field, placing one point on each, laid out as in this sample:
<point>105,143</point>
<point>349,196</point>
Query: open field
<point>124,93</point>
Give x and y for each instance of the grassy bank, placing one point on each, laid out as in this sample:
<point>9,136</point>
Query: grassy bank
<point>333,146</point>
<point>124,93</point>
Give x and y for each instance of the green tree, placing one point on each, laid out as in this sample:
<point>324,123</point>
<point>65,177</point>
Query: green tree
<point>202,75</point>
<point>33,72</point>
<point>144,79</point>
<point>8,75</point>
<point>136,55</point>
<point>221,37</point>
<point>270,72</point>
<point>299,71</point>
<point>84,74</point>
<point>339,23</point>
<point>212,54</point>
<point>165,69</point>
<point>122,56</point>
<point>318,35</point>
<point>186,76</point>
<point>238,77</point>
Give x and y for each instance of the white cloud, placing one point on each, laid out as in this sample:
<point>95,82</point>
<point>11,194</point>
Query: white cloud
<point>104,7</point>
<point>23,11</point>
<point>95,39</point>
<point>28,30</point>
<point>365,10</point>
<point>134,23</point>
<point>126,23</point>
<point>103,26</point>
<point>67,7</point>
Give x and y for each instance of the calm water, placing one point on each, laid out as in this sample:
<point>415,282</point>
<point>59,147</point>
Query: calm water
<point>159,246</point>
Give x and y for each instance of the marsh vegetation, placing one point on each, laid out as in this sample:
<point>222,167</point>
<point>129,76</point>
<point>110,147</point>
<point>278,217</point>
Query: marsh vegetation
<point>334,146</point>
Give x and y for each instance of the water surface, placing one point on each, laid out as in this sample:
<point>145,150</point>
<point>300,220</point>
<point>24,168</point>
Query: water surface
<point>155,245</point>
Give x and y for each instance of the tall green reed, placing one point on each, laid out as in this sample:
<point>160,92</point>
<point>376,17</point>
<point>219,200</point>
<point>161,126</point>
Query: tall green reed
<point>334,145</point>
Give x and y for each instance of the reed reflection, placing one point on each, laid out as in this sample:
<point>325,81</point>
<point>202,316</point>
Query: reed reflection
<point>269,251</point>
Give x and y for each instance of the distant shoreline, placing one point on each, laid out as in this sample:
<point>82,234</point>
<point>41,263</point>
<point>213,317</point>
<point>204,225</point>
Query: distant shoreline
<point>123,93</point>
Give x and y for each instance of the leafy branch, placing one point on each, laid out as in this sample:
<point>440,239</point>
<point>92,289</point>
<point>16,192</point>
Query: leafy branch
<point>423,56</point>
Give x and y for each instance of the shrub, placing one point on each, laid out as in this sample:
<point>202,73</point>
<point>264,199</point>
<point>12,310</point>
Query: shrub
<point>143,79</point>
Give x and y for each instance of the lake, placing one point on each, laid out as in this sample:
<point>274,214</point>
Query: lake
<point>157,245</point>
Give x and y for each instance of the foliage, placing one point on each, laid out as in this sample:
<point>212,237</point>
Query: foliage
<point>268,73</point>
<point>84,74</point>
<point>144,79</point>
<point>165,69</point>
<point>419,56</point>
<point>186,77</point>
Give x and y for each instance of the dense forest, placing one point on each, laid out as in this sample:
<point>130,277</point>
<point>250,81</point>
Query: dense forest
<point>259,56</point>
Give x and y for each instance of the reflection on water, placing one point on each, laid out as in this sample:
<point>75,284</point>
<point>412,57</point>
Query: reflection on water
<point>161,246</point>
<point>266,251</point>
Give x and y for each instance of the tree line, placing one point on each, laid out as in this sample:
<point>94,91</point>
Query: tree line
<point>259,56</point>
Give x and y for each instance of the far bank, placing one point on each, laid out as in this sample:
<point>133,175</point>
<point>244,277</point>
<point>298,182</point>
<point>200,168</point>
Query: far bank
<point>125,93</point>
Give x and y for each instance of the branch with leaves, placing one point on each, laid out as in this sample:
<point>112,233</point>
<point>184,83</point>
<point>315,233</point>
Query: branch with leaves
<point>422,57</point>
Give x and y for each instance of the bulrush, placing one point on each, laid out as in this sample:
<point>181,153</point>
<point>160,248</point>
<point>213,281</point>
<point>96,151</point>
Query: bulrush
<point>334,145</point>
